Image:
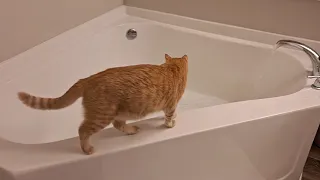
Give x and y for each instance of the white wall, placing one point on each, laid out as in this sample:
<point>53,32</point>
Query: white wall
<point>26,23</point>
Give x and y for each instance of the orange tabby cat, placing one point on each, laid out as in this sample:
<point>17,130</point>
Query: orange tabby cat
<point>122,93</point>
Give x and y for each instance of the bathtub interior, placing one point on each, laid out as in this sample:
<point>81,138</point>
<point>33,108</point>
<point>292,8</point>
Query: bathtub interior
<point>226,70</point>
<point>220,71</point>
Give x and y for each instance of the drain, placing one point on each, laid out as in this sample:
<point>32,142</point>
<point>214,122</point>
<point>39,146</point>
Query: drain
<point>131,34</point>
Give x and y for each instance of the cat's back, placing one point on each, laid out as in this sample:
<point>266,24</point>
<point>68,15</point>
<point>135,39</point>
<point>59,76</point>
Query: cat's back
<point>137,89</point>
<point>129,77</point>
<point>132,88</point>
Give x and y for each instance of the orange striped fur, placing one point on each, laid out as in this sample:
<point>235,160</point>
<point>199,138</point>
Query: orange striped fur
<point>67,99</point>
<point>119,94</point>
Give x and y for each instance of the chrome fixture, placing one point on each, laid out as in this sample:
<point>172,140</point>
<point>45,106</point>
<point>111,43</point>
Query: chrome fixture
<point>131,34</point>
<point>313,55</point>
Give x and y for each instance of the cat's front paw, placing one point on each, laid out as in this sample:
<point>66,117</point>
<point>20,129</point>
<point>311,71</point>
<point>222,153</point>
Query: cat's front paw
<point>132,130</point>
<point>88,150</point>
<point>170,124</point>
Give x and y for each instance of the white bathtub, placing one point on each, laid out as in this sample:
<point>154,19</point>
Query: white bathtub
<point>246,115</point>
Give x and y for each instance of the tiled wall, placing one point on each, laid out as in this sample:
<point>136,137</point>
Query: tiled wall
<point>299,18</point>
<point>26,23</point>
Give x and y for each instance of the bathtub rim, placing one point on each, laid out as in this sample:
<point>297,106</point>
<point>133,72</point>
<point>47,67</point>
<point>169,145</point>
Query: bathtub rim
<point>213,27</point>
<point>44,159</point>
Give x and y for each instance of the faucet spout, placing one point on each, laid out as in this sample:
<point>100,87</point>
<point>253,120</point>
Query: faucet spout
<point>313,55</point>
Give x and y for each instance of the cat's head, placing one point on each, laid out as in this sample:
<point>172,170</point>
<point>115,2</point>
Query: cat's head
<point>170,59</point>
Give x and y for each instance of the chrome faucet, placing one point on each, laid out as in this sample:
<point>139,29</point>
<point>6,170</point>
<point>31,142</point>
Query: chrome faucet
<point>313,55</point>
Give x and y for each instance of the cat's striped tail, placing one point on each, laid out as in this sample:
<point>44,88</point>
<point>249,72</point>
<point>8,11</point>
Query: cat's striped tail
<point>65,100</point>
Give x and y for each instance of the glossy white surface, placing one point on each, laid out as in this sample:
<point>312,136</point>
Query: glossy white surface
<point>245,115</point>
<point>221,70</point>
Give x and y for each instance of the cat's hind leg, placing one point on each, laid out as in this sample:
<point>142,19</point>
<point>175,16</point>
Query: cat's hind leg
<point>123,127</point>
<point>88,128</point>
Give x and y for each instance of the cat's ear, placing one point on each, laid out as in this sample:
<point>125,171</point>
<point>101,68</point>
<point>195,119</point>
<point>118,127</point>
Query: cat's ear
<point>167,57</point>
<point>185,57</point>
